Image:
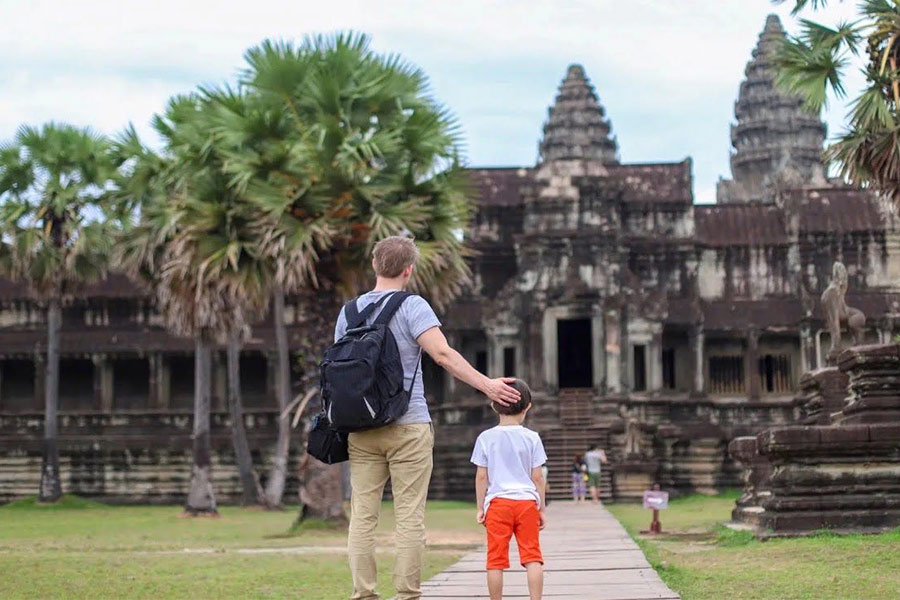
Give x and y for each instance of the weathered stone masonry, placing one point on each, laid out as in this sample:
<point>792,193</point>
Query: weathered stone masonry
<point>635,315</point>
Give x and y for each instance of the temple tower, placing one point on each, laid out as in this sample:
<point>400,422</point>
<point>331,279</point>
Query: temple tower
<point>774,139</point>
<point>576,127</point>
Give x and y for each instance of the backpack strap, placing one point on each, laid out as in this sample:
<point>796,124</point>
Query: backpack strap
<point>387,313</point>
<point>355,317</point>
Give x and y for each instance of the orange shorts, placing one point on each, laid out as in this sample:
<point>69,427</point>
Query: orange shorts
<point>507,517</point>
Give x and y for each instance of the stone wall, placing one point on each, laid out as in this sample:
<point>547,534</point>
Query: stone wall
<point>132,458</point>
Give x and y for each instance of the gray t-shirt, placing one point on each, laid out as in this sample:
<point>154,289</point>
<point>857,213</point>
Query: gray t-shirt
<point>414,317</point>
<point>594,459</point>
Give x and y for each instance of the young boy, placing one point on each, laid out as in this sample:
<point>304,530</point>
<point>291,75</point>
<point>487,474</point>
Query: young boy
<point>509,490</point>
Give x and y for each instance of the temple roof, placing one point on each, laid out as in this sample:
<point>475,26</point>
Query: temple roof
<point>499,186</point>
<point>774,135</point>
<point>838,210</point>
<point>740,225</point>
<point>576,127</point>
<point>655,182</point>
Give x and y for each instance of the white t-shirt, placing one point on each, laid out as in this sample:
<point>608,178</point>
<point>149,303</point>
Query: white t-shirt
<point>509,452</point>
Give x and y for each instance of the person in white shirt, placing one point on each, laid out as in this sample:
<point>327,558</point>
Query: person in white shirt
<point>510,493</point>
<point>594,457</point>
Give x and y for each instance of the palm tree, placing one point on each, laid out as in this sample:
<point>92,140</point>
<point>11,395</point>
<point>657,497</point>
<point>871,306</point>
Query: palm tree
<point>196,241</point>
<point>813,64</point>
<point>53,183</point>
<point>370,154</point>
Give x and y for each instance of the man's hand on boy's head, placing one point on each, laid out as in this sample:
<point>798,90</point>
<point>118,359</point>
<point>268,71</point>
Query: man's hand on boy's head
<point>498,390</point>
<point>480,516</point>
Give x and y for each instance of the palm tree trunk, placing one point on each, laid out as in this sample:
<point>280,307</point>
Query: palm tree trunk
<point>278,474</point>
<point>51,487</point>
<point>251,491</point>
<point>201,499</point>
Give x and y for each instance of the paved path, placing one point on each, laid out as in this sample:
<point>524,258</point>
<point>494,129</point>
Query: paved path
<point>587,555</point>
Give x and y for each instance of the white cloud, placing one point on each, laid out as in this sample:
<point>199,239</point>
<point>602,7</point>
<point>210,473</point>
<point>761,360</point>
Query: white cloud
<point>668,72</point>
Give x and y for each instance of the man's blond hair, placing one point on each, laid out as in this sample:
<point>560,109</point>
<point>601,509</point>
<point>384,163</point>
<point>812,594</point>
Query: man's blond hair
<point>393,254</point>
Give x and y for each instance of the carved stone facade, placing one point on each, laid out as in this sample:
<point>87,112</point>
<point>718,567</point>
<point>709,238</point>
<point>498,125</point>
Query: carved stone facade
<point>655,327</point>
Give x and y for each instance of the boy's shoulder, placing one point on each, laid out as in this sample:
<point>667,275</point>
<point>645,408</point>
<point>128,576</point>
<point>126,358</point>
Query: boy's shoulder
<point>520,431</point>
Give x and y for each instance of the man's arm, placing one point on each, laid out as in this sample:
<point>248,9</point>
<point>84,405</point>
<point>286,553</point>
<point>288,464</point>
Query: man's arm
<point>537,476</point>
<point>481,483</point>
<point>603,457</point>
<point>435,344</point>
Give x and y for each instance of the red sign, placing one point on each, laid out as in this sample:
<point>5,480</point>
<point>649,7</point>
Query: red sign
<point>655,500</point>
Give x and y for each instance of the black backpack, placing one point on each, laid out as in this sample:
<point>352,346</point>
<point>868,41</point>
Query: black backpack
<point>362,374</point>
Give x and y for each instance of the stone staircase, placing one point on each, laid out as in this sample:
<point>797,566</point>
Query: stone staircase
<point>574,433</point>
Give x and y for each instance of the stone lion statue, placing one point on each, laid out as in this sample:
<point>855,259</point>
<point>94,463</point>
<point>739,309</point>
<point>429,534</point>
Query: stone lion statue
<point>836,310</point>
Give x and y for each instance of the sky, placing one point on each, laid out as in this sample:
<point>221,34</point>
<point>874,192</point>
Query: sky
<point>667,72</point>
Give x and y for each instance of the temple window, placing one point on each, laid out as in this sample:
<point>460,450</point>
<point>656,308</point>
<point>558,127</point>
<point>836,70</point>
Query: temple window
<point>481,362</point>
<point>775,374</point>
<point>509,361</point>
<point>726,375</point>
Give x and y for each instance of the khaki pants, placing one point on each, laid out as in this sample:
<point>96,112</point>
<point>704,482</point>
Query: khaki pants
<point>402,453</point>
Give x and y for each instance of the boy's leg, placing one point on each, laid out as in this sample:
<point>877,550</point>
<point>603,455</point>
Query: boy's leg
<point>535,574</point>
<point>527,529</point>
<point>410,461</point>
<point>368,474</point>
<point>495,583</point>
<point>498,524</point>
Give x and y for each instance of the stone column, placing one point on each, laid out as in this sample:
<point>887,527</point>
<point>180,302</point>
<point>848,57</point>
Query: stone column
<point>494,356</point>
<point>598,354</point>
<point>160,381</point>
<point>751,364</point>
<point>697,342</point>
<point>613,346</point>
<point>654,363</point>
<point>807,348</point>
<point>103,382</point>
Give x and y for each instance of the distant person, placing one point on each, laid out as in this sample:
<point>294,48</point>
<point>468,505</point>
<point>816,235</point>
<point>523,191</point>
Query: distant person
<point>594,458</point>
<point>509,491</point>
<point>579,479</point>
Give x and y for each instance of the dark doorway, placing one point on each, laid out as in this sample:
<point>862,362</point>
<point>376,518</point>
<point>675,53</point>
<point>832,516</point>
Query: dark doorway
<point>668,368</point>
<point>573,351</point>
<point>181,381</point>
<point>131,382</point>
<point>509,362</point>
<point>640,368</point>
<point>17,386</point>
<point>76,384</point>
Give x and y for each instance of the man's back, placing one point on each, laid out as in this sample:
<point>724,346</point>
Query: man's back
<point>413,317</point>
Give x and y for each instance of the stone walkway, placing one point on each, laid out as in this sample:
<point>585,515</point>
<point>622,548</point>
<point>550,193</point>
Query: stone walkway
<point>587,555</point>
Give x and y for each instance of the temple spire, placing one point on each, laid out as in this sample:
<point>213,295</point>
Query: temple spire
<point>774,138</point>
<point>576,127</point>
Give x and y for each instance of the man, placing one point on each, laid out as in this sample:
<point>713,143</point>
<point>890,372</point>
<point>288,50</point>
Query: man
<point>402,452</point>
<point>594,457</point>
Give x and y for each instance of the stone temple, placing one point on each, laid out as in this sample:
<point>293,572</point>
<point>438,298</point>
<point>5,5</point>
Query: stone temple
<point>659,328</point>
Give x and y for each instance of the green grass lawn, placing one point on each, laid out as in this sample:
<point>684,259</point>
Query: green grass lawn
<point>85,550</point>
<point>702,560</point>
